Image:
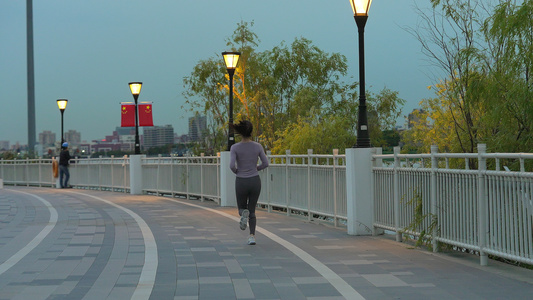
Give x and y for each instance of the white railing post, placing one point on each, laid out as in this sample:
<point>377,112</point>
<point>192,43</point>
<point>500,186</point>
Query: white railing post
<point>335,162</point>
<point>100,173</point>
<point>1,173</point>
<point>218,176</point>
<point>172,175</point>
<point>268,184</point>
<point>202,177</point>
<point>136,176</point>
<point>433,194</point>
<point>39,164</point>
<point>227,181</point>
<point>27,171</point>
<point>157,178</point>
<point>187,174</point>
<point>309,153</point>
<point>112,166</point>
<point>482,204</point>
<point>15,172</point>
<point>360,204</point>
<point>396,192</point>
<point>287,179</point>
<point>375,163</point>
<point>125,173</point>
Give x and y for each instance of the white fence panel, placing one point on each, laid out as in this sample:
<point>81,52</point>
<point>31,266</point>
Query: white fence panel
<point>482,210</point>
<point>311,185</point>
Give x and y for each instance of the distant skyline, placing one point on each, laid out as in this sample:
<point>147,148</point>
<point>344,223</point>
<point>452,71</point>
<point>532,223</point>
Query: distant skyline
<point>88,51</point>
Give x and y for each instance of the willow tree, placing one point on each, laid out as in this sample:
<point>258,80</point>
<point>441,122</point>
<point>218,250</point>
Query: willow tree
<point>275,89</point>
<point>483,50</point>
<point>510,37</point>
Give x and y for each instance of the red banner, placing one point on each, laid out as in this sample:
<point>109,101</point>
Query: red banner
<point>128,115</point>
<point>145,114</point>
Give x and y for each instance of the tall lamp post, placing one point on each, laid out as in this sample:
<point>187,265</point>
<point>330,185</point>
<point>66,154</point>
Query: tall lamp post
<point>231,59</point>
<point>135,88</point>
<point>360,12</point>
<point>62,104</point>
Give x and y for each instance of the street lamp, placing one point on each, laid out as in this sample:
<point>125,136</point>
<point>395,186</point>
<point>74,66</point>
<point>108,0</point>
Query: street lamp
<point>231,59</point>
<point>135,88</point>
<point>62,104</point>
<point>360,12</point>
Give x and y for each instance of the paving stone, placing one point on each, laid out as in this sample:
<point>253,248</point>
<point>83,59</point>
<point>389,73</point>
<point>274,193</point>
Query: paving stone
<point>97,251</point>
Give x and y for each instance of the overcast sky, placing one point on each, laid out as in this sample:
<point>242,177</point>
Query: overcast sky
<point>88,50</point>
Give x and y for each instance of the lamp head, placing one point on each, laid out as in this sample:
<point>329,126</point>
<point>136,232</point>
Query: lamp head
<point>231,59</point>
<point>62,104</point>
<point>360,7</point>
<point>135,88</point>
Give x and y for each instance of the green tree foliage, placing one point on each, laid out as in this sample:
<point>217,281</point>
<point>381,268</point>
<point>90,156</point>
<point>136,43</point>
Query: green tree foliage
<point>290,93</point>
<point>485,53</point>
<point>509,32</point>
<point>8,155</point>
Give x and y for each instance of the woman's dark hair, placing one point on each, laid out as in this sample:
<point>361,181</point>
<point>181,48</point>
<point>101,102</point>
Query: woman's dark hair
<point>244,128</point>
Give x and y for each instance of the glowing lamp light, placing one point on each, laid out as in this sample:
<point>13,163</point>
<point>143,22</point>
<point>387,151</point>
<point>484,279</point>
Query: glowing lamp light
<point>135,88</point>
<point>62,104</point>
<point>360,7</point>
<point>231,59</point>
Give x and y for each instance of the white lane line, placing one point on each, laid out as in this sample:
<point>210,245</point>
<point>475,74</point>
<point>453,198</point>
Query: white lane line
<point>346,290</point>
<point>147,279</point>
<point>36,240</point>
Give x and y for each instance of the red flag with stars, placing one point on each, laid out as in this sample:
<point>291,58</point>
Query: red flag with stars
<point>145,114</point>
<point>128,114</point>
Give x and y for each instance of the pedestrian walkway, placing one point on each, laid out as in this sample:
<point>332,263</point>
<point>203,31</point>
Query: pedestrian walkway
<point>83,244</point>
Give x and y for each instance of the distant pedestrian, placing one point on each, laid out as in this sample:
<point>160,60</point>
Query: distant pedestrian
<point>64,159</point>
<point>243,162</point>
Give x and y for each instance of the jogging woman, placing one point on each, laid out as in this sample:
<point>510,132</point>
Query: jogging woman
<point>243,162</point>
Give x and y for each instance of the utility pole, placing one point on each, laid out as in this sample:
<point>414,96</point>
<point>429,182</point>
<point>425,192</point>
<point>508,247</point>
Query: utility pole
<point>31,77</point>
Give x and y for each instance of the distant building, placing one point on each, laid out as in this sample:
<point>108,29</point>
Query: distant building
<point>157,136</point>
<point>127,142</point>
<point>197,128</point>
<point>125,130</point>
<point>73,137</point>
<point>47,138</point>
<point>180,139</point>
<point>4,145</point>
<point>412,118</point>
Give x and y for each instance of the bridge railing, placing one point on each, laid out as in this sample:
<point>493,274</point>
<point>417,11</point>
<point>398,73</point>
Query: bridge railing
<point>463,200</point>
<point>109,174</point>
<point>28,172</point>
<point>186,177</point>
<point>488,211</point>
<point>313,185</point>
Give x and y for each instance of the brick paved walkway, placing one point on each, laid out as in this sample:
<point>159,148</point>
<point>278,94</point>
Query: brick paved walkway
<point>79,244</point>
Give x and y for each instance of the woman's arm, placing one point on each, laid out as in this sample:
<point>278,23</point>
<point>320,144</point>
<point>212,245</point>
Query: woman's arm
<point>264,159</point>
<point>233,159</point>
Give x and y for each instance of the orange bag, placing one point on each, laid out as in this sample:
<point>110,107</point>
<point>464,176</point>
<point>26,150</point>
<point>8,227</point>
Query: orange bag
<point>55,168</point>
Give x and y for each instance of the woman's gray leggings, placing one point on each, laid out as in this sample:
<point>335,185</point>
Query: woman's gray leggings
<point>247,191</point>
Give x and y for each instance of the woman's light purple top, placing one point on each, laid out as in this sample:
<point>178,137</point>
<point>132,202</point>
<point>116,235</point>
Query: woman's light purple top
<point>243,161</point>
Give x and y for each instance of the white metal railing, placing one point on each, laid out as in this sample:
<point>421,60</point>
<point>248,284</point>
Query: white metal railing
<point>465,200</point>
<point>110,174</point>
<point>485,210</point>
<point>194,176</point>
<point>28,172</point>
<point>312,184</point>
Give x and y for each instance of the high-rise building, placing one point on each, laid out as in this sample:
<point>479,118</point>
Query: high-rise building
<point>47,138</point>
<point>73,137</point>
<point>125,130</point>
<point>197,128</point>
<point>4,145</point>
<point>157,136</point>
